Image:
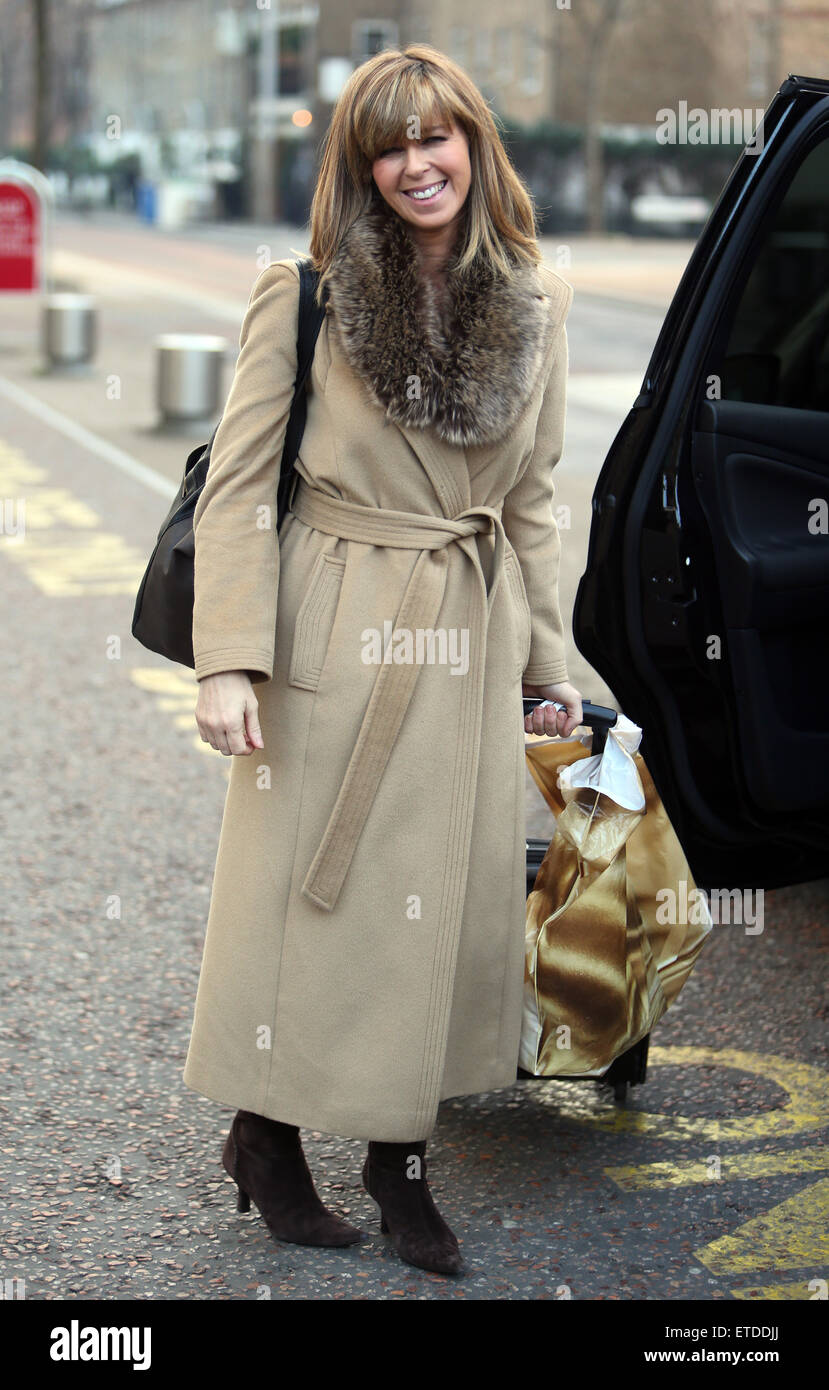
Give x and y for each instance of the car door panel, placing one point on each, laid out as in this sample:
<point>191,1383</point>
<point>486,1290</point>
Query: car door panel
<point>773,575</point>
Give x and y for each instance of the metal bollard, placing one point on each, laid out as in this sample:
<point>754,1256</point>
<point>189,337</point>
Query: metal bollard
<point>189,377</point>
<point>69,329</point>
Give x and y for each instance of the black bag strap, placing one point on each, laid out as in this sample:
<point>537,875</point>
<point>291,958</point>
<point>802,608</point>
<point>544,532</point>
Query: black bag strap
<point>309,322</point>
<point>308,326</point>
<point>310,319</point>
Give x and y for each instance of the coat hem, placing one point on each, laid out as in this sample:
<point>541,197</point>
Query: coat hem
<point>390,1130</point>
<point>510,1078</point>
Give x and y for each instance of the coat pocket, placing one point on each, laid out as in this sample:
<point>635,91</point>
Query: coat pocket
<point>515,580</point>
<point>314,622</point>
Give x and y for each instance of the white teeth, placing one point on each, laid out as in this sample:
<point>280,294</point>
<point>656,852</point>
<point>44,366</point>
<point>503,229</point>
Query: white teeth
<point>427,192</point>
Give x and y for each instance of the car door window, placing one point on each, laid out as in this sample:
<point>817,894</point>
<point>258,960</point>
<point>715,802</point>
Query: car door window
<point>777,349</point>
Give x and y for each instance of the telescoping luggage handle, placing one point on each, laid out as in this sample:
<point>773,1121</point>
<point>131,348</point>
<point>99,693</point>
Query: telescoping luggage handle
<point>597,717</point>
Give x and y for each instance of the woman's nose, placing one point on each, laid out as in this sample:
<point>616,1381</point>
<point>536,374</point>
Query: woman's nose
<point>416,160</point>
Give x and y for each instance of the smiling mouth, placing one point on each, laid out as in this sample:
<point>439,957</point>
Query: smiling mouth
<point>428,194</point>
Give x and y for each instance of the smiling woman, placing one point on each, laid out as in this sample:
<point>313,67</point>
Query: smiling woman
<point>411,120</point>
<point>427,182</point>
<point>364,957</point>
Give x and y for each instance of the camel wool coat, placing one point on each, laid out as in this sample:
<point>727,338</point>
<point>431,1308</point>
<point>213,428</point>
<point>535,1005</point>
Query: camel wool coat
<point>364,952</point>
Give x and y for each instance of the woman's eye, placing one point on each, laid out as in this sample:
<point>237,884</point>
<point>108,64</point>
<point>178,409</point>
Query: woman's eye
<point>395,149</point>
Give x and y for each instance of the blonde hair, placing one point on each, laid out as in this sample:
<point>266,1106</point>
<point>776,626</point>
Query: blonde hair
<point>373,111</point>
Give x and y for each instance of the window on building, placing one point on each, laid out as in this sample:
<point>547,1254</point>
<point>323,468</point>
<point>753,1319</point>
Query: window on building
<point>293,48</point>
<point>370,36</point>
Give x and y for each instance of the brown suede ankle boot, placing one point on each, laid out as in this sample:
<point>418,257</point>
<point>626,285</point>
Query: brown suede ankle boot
<point>266,1161</point>
<point>395,1176</point>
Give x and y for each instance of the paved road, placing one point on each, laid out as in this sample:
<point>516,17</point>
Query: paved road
<point>711,1182</point>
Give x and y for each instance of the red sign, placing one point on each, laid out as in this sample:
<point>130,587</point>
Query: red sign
<point>20,236</point>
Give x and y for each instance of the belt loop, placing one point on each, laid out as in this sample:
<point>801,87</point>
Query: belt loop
<point>292,489</point>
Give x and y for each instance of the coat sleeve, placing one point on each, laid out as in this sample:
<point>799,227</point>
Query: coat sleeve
<point>531,527</point>
<point>236,560</point>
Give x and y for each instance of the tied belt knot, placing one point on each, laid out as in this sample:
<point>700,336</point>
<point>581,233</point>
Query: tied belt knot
<point>395,682</point>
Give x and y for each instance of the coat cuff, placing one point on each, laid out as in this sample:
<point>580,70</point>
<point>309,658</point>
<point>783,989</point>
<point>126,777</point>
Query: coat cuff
<point>257,664</point>
<point>549,673</point>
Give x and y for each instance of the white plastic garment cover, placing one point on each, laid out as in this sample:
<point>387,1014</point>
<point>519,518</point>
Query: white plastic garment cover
<point>612,772</point>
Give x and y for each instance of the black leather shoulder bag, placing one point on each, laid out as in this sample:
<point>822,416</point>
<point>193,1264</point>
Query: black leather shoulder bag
<point>163,617</point>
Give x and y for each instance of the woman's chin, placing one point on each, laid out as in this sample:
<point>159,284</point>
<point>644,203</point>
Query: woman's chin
<point>442,215</point>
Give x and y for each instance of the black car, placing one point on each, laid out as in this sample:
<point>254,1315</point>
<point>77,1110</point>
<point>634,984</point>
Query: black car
<point>705,601</point>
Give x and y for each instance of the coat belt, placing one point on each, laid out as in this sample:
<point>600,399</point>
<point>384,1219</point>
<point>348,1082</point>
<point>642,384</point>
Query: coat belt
<point>395,683</point>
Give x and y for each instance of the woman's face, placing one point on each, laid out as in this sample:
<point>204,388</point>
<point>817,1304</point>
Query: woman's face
<point>440,156</point>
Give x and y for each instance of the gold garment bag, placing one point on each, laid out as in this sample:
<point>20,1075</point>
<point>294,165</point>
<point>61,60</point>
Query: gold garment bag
<point>615,921</point>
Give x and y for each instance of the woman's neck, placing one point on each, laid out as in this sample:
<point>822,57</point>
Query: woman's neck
<point>434,248</point>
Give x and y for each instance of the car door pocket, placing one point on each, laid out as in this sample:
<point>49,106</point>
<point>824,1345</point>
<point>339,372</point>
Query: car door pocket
<point>315,621</point>
<point>515,580</point>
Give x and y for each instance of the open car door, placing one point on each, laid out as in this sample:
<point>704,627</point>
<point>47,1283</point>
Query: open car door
<point>705,601</point>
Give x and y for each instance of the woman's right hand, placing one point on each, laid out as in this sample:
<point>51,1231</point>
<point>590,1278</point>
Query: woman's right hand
<point>227,713</point>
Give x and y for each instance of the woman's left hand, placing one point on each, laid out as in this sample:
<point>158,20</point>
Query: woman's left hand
<point>549,720</point>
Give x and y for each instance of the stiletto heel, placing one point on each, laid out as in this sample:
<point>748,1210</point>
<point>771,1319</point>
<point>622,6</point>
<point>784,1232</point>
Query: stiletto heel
<point>266,1161</point>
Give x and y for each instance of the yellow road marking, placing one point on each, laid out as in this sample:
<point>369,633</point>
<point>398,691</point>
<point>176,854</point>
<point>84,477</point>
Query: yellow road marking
<point>16,470</point>
<point>799,1289</point>
<point>102,563</point>
<point>55,506</point>
<point>806,1107</point>
<point>793,1235</point>
<point>57,539</point>
<point>177,684</point>
<point>733,1168</point>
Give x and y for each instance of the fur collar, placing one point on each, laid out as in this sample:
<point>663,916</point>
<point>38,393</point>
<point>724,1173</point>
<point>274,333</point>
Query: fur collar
<point>476,356</point>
